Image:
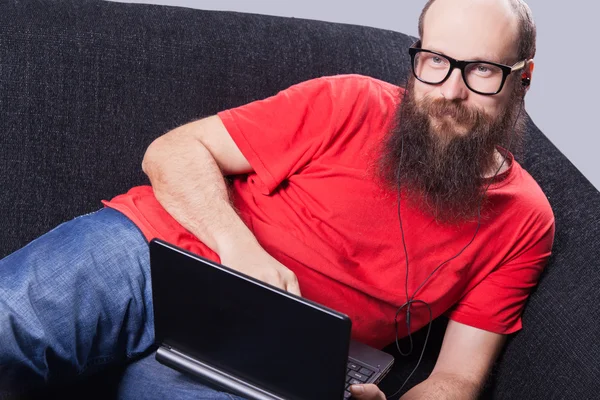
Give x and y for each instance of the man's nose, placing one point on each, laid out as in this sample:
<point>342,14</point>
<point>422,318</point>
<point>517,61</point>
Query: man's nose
<point>454,88</point>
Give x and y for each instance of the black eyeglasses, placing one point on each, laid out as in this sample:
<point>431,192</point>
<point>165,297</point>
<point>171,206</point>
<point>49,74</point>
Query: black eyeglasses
<point>482,77</point>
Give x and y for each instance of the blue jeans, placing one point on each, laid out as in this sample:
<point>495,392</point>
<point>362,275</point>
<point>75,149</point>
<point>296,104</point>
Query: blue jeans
<point>79,299</point>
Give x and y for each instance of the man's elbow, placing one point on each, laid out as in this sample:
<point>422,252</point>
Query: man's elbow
<point>151,160</point>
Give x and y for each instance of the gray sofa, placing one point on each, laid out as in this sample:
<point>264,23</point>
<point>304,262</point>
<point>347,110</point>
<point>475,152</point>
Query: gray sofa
<point>85,86</point>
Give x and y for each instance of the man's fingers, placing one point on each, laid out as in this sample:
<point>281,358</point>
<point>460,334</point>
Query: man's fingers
<point>367,392</point>
<point>274,278</point>
<point>293,287</point>
<point>284,282</point>
<point>291,283</point>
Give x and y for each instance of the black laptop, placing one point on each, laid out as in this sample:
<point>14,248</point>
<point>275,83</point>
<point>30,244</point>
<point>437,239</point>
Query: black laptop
<point>251,338</point>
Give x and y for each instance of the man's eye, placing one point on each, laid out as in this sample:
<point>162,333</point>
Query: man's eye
<point>437,62</point>
<point>483,70</point>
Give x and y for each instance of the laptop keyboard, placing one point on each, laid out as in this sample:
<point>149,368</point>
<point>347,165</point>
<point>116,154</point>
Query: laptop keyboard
<point>356,374</point>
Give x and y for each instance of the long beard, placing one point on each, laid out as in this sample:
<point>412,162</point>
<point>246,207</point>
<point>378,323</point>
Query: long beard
<point>443,171</point>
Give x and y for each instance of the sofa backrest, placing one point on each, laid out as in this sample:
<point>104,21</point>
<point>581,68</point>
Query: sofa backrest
<point>85,86</point>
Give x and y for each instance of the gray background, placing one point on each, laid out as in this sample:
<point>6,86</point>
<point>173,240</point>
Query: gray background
<point>564,94</point>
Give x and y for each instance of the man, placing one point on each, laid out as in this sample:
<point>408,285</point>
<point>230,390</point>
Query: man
<point>333,186</point>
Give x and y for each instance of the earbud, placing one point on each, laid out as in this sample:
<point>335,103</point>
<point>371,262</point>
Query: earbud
<point>525,80</point>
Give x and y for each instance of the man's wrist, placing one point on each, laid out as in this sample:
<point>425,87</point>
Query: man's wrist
<point>238,238</point>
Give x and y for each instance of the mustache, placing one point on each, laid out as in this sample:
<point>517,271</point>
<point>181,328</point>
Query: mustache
<point>440,108</point>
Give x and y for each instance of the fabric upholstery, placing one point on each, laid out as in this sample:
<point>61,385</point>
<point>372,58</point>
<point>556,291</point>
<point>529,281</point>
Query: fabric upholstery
<point>85,86</point>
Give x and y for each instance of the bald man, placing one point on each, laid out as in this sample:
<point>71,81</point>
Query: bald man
<point>334,185</point>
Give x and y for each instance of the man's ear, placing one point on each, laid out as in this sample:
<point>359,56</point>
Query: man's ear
<point>528,72</point>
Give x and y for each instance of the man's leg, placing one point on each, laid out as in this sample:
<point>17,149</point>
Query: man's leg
<point>147,379</point>
<point>73,300</point>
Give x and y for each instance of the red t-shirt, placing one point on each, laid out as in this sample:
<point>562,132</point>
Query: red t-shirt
<point>315,204</point>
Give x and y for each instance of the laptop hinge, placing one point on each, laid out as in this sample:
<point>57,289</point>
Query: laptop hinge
<point>183,363</point>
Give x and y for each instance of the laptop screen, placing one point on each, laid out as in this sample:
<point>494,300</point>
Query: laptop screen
<point>262,335</point>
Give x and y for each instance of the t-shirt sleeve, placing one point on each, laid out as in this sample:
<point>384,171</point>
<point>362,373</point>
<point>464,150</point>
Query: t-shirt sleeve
<point>283,133</point>
<point>497,302</point>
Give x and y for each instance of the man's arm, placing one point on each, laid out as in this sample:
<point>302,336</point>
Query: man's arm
<point>462,368</point>
<point>464,363</point>
<point>186,168</point>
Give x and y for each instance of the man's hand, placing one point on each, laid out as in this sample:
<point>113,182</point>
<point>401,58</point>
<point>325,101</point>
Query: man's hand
<point>367,392</point>
<point>259,264</point>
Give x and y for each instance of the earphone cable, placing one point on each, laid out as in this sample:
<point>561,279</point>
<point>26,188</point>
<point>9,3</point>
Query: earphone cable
<point>411,300</point>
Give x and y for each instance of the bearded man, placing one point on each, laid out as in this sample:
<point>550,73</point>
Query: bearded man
<point>349,191</point>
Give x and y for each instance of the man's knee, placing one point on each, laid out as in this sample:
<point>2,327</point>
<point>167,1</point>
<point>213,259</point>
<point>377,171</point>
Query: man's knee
<point>69,294</point>
<point>102,246</point>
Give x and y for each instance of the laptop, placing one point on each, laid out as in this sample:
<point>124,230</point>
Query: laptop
<point>251,338</point>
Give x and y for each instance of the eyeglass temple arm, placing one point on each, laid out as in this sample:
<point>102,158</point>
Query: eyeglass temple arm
<point>518,66</point>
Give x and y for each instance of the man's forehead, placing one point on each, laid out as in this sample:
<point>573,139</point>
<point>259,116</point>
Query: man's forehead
<point>472,29</point>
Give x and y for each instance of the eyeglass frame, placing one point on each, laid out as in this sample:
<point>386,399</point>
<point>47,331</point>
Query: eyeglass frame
<point>461,65</point>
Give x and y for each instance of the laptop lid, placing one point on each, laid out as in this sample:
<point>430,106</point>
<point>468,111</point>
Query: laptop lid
<point>255,332</point>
